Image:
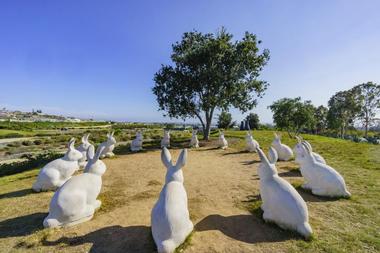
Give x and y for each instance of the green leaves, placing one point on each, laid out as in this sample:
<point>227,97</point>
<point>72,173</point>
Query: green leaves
<point>210,71</point>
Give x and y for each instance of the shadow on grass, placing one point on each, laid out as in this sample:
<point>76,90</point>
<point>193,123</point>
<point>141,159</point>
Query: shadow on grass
<point>112,239</point>
<point>249,162</point>
<point>308,196</point>
<point>22,226</point>
<point>237,153</point>
<point>16,194</point>
<point>290,173</point>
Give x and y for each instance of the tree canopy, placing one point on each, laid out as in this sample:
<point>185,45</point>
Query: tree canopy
<point>225,120</point>
<point>209,72</point>
<point>253,120</point>
<point>292,115</point>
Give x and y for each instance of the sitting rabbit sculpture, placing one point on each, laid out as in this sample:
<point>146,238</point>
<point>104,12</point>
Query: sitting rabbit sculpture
<point>83,149</point>
<point>165,142</point>
<point>222,142</point>
<point>170,219</point>
<point>252,144</point>
<point>284,152</point>
<point>282,204</point>
<point>75,202</point>
<point>317,156</point>
<point>108,145</point>
<point>320,178</point>
<point>194,143</point>
<point>57,172</point>
<point>136,144</point>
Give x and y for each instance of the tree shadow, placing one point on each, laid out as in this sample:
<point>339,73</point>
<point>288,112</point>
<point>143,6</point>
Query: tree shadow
<point>112,239</point>
<point>22,226</point>
<point>16,194</point>
<point>245,228</point>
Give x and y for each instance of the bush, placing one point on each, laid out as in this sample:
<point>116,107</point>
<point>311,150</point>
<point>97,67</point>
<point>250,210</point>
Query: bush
<point>26,143</point>
<point>37,142</point>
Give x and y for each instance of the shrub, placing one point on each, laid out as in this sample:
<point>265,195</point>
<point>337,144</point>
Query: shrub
<point>26,143</point>
<point>37,142</point>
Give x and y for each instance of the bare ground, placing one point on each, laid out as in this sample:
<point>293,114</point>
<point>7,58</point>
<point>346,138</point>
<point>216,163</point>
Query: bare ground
<point>221,185</point>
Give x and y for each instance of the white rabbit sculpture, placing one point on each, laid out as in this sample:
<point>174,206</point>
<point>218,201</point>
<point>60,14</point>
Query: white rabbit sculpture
<point>317,156</point>
<point>284,152</point>
<point>170,219</point>
<point>108,145</point>
<point>76,201</point>
<point>194,143</point>
<point>282,204</point>
<point>252,144</point>
<point>320,178</point>
<point>165,142</point>
<point>57,172</point>
<point>136,144</point>
<point>83,149</point>
<point>222,142</point>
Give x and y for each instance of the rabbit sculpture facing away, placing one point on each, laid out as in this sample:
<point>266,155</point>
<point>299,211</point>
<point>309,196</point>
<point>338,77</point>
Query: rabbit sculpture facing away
<point>252,144</point>
<point>108,145</point>
<point>76,201</point>
<point>321,179</point>
<point>57,172</point>
<point>282,204</point>
<point>194,143</point>
<point>165,142</point>
<point>136,144</point>
<point>284,152</point>
<point>222,142</point>
<point>170,219</point>
<point>83,149</point>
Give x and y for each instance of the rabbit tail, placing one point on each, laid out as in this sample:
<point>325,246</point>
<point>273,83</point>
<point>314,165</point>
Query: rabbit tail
<point>305,230</point>
<point>51,223</point>
<point>166,246</point>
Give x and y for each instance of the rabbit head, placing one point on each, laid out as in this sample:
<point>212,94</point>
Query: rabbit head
<point>166,133</point>
<point>267,169</point>
<point>194,132</point>
<point>304,152</point>
<point>85,141</point>
<point>221,134</point>
<point>110,139</point>
<point>174,172</point>
<point>94,164</point>
<point>139,135</point>
<point>72,153</point>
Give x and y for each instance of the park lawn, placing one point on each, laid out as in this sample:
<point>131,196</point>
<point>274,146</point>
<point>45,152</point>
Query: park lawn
<point>340,225</point>
<point>6,133</point>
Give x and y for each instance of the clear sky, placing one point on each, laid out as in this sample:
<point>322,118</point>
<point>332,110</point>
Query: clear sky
<point>97,58</point>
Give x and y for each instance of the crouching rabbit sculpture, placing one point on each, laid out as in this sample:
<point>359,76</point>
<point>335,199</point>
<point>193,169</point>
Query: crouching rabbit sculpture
<point>75,202</point>
<point>317,156</point>
<point>83,149</point>
<point>222,142</point>
<point>320,178</point>
<point>57,172</point>
<point>282,204</point>
<point>194,143</point>
<point>108,145</point>
<point>136,144</point>
<point>165,142</point>
<point>252,144</point>
<point>170,219</point>
<point>284,152</point>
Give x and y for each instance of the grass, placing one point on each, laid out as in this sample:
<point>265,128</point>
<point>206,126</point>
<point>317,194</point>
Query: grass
<point>340,225</point>
<point>6,133</point>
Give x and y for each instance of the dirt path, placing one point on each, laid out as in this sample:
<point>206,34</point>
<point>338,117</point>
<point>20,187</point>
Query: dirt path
<point>220,184</point>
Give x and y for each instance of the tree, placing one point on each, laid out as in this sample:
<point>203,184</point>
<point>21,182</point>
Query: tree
<point>321,118</point>
<point>253,120</point>
<point>343,109</point>
<point>293,115</point>
<point>225,120</point>
<point>368,97</point>
<point>210,72</point>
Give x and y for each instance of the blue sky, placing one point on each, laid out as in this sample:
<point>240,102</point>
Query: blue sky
<point>97,58</point>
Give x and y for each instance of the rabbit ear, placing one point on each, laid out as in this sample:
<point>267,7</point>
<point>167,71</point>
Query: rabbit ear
<point>308,145</point>
<point>90,152</point>
<point>87,136</point>
<point>99,151</point>
<point>272,155</point>
<point>166,158</point>
<point>112,133</point>
<point>181,161</point>
<point>262,156</point>
<point>71,143</point>
<point>299,139</point>
<point>275,134</point>
<point>84,139</point>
